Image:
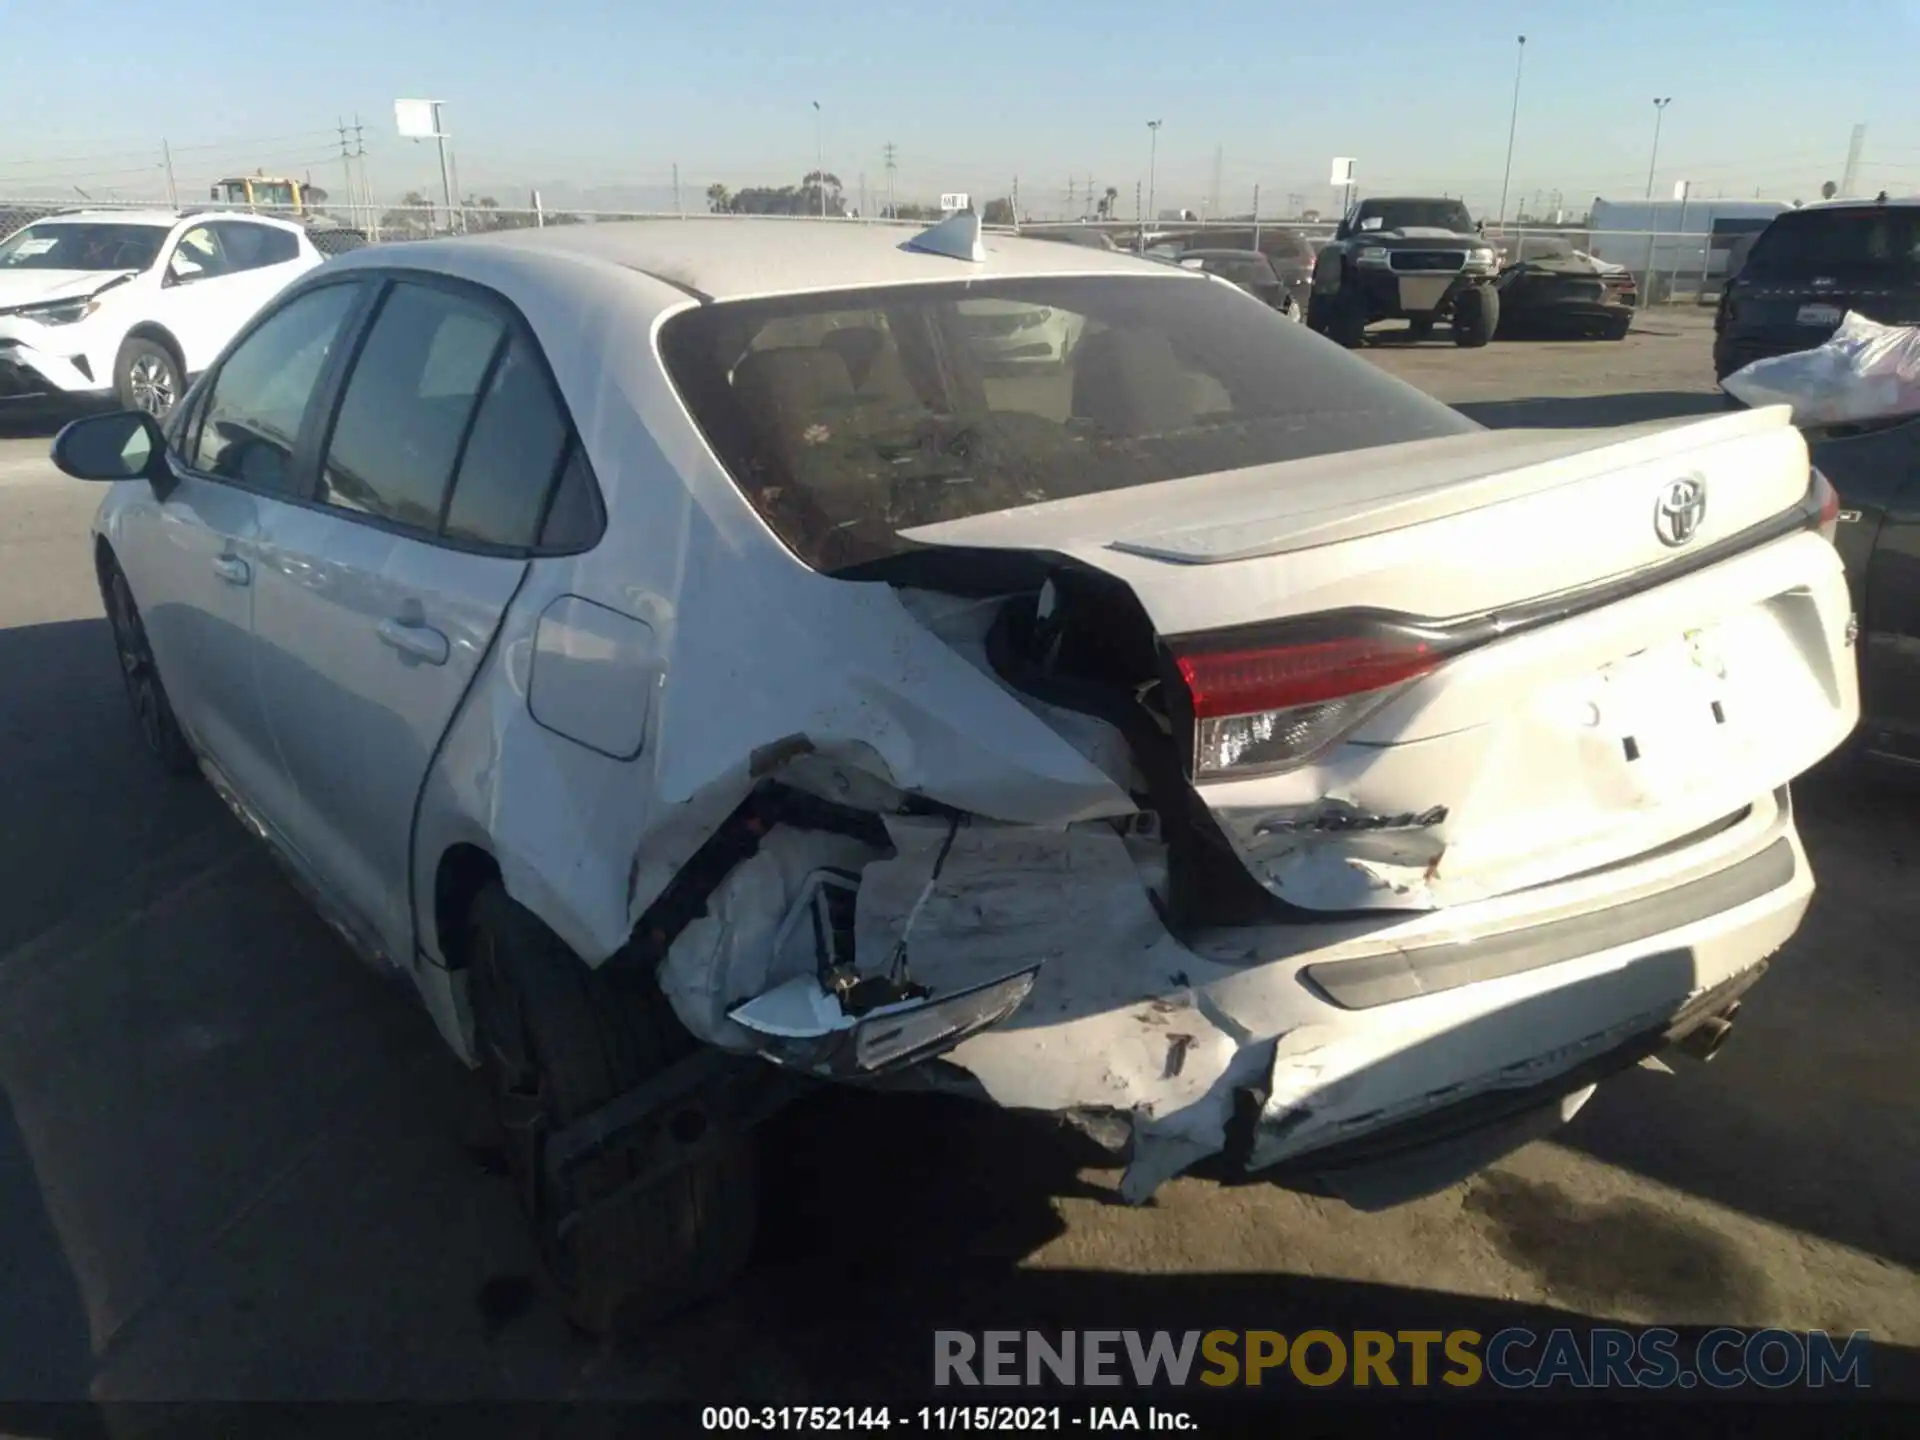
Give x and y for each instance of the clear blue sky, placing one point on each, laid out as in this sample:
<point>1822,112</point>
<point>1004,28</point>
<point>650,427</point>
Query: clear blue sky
<point>588,93</point>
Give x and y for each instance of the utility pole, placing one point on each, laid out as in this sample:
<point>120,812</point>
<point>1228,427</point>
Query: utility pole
<point>1070,211</point>
<point>346,163</point>
<point>1256,217</point>
<point>888,151</point>
<point>173,193</point>
<point>366,184</point>
<point>1139,215</point>
<point>1513,124</point>
<point>1213,198</point>
<point>1153,156</point>
<point>820,157</point>
<point>863,196</point>
<point>679,209</point>
<point>1016,204</point>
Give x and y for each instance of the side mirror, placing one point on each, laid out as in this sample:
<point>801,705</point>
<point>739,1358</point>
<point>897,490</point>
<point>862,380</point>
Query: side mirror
<point>125,445</point>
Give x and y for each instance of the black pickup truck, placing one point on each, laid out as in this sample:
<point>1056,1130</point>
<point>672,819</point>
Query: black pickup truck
<point>1418,259</point>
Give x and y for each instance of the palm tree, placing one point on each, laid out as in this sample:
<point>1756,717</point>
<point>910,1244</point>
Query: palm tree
<point>718,200</point>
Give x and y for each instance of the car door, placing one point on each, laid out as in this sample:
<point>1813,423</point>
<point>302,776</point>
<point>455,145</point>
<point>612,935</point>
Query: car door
<point>202,297</point>
<point>188,549</point>
<point>1877,472</point>
<point>264,260</point>
<point>379,596</point>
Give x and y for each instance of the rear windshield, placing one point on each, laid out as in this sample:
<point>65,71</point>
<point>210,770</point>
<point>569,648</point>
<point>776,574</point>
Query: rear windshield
<point>847,417</point>
<point>1838,242</point>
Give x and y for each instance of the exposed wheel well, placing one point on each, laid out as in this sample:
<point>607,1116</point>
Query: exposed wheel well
<point>161,336</point>
<point>464,871</point>
<point>104,562</point>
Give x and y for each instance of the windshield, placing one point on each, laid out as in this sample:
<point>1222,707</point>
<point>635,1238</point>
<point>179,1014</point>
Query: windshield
<point>1836,243</point>
<point>66,245</point>
<point>846,418</point>
<point>1241,269</point>
<point>1413,214</point>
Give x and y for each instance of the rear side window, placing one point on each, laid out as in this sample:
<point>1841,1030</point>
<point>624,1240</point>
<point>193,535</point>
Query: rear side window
<point>252,247</point>
<point>407,403</point>
<point>847,418</point>
<point>1839,243</point>
<point>519,439</point>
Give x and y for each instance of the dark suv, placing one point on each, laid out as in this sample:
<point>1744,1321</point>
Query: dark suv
<point>1416,259</point>
<point>1809,268</point>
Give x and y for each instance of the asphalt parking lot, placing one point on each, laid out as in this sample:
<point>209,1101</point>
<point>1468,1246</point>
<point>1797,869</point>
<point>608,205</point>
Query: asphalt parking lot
<point>236,1165</point>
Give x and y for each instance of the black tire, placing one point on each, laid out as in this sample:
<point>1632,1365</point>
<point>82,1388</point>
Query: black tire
<point>152,712</point>
<point>1347,320</point>
<point>557,1041</point>
<point>1421,329</point>
<point>1617,330</point>
<point>1476,315</point>
<point>147,376</point>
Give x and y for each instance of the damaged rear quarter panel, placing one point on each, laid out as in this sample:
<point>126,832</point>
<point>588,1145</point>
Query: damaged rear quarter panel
<point>758,656</point>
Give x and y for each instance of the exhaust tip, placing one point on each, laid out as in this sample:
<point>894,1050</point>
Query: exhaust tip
<point>1704,1041</point>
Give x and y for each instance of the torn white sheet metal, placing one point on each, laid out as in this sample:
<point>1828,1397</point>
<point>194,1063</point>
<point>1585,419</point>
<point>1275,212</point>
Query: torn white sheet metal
<point>1125,1022</point>
<point>732,953</point>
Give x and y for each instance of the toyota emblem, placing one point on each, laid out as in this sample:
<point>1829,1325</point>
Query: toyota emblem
<point>1681,508</point>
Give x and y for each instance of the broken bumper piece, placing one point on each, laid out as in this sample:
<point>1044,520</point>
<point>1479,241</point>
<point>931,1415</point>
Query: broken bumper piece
<point>803,1026</point>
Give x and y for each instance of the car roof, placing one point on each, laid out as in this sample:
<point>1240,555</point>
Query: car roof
<point>1892,202</point>
<point>1214,252</point>
<point>738,257</point>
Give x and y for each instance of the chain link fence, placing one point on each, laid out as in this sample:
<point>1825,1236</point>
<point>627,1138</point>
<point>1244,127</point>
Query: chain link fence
<point>1668,267</point>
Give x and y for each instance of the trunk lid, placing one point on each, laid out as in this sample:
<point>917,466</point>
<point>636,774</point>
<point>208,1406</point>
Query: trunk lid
<point>1611,651</point>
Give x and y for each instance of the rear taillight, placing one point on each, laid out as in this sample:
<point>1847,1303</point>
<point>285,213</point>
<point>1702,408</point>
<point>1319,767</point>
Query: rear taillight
<point>1266,707</point>
<point>1829,502</point>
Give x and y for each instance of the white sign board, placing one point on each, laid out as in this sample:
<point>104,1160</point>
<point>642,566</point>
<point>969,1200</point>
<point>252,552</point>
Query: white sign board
<point>958,201</point>
<point>1342,170</point>
<point>415,119</point>
<point>1680,189</point>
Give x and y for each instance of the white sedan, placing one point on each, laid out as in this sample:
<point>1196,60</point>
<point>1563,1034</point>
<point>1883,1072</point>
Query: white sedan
<point>664,644</point>
<point>133,303</point>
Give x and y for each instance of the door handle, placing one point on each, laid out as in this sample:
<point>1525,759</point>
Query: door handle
<point>422,642</point>
<point>232,569</point>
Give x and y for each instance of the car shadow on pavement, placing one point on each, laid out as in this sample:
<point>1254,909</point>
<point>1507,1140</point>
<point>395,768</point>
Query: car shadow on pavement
<point>1807,1117</point>
<point>1578,412</point>
<point>32,422</point>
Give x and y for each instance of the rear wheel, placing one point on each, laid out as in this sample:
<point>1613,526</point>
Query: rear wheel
<point>1476,315</point>
<point>557,1041</point>
<point>152,711</point>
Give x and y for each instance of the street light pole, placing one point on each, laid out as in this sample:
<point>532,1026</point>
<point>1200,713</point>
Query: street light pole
<point>1659,112</point>
<point>820,157</point>
<point>1513,124</point>
<point>1647,296</point>
<point>1153,156</point>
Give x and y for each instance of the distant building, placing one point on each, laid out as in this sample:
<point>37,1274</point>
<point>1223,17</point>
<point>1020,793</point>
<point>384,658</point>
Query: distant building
<point>1685,239</point>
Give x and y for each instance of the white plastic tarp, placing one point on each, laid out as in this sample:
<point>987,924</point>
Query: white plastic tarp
<point>1866,371</point>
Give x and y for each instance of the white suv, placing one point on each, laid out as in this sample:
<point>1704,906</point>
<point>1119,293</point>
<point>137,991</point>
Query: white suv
<point>133,303</point>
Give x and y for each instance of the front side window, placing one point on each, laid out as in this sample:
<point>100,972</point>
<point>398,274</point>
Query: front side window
<point>877,411</point>
<point>198,255</point>
<point>251,417</point>
<point>82,245</point>
<point>407,405</point>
